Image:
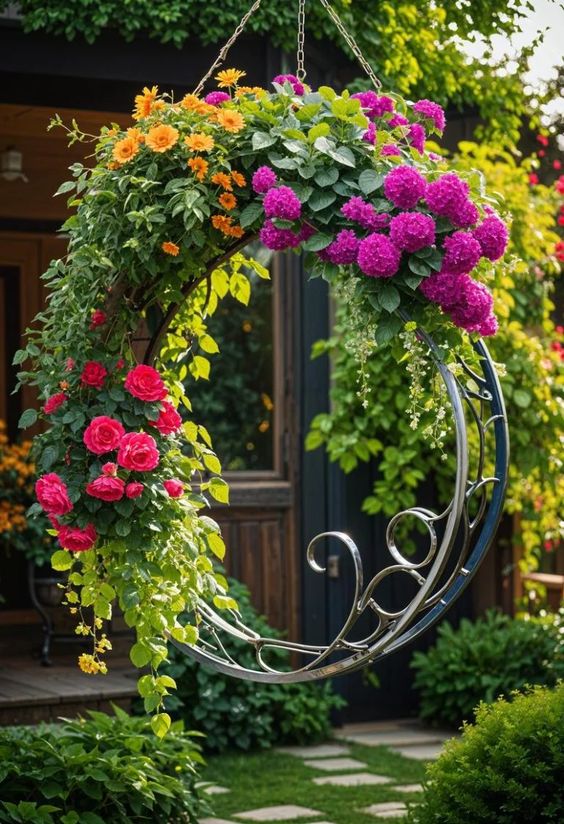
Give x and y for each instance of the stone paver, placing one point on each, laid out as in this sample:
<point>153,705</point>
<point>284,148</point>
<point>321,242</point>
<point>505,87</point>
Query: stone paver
<point>409,788</point>
<point>284,812</point>
<point>214,821</point>
<point>398,738</point>
<point>387,809</point>
<point>421,752</point>
<point>211,789</point>
<point>352,779</point>
<point>335,764</point>
<point>319,751</point>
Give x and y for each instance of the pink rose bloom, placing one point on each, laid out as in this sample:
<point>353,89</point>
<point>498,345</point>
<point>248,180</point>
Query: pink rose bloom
<point>106,488</point>
<point>169,421</point>
<point>103,434</point>
<point>77,540</point>
<point>54,402</point>
<point>52,494</point>
<point>145,383</point>
<point>174,488</point>
<point>69,364</point>
<point>134,489</point>
<point>109,469</point>
<point>98,319</point>
<point>138,452</point>
<point>93,374</point>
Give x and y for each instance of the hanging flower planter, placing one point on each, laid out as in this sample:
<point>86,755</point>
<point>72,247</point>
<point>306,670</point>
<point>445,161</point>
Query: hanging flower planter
<point>161,218</point>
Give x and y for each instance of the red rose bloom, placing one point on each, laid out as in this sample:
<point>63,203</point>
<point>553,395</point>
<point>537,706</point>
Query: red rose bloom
<point>77,540</point>
<point>98,319</point>
<point>174,488</point>
<point>106,488</point>
<point>103,434</point>
<point>134,489</point>
<point>138,452</point>
<point>52,494</point>
<point>145,383</point>
<point>93,374</point>
<point>169,421</point>
<point>109,469</point>
<point>54,402</point>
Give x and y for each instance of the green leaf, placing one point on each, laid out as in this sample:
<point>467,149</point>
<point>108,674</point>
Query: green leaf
<point>522,398</point>
<point>387,328</point>
<point>317,242</point>
<point>28,418</point>
<point>327,176</point>
<point>418,267</point>
<point>140,655</point>
<point>216,544</point>
<point>250,214</point>
<point>67,186</point>
<point>160,724</point>
<point>224,602</point>
<point>343,155</point>
<point>207,343</point>
<point>61,560</point>
<point>389,298</point>
<point>261,140</point>
<point>219,489</point>
<point>319,130</point>
<point>123,528</point>
<point>369,181</point>
<point>320,200</point>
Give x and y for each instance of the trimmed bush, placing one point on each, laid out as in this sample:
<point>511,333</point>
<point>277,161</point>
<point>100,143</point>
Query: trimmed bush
<point>243,714</point>
<point>506,769</point>
<point>99,770</point>
<point>484,659</point>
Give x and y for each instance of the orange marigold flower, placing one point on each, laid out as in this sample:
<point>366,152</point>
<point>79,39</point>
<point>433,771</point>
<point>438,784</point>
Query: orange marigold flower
<point>162,138</point>
<point>223,180</point>
<point>136,134</point>
<point>230,120</point>
<point>228,201</point>
<point>199,142</point>
<point>199,166</point>
<point>170,248</point>
<point>236,231</point>
<point>194,104</point>
<point>238,179</point>
<point>125,150</point>
<point>112,166</point>
<point>112,132</point>
<point>222,223</point>
<point>144,103</point>
<point>229,77</point>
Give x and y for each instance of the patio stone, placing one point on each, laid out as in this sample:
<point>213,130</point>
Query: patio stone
<point>284,812</point>
<point>421,752</point>
<point>398,738</point>
<point>352,780</point>
<point>335,764</point>
<point>409,788</point>
<point>214,821</point>
<point>211,789</point>
<point>387,809</point>
<point>319,751</point>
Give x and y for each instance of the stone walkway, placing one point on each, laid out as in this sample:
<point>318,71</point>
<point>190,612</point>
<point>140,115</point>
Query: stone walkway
<point>339,769</point>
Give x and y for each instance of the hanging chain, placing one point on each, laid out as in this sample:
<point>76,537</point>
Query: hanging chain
<point>351,43</point>
<point>223,53</point>
<point>300,56</point>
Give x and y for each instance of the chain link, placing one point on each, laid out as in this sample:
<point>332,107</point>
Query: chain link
<point>300,56</point>
<point>352,44</point>
<point>223,53</point>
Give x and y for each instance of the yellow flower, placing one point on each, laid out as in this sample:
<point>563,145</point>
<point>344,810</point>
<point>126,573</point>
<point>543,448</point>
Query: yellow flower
<point>88,664</point>
<point>144,103</point>
<point>199,142</point>
<point>135,134</point>
<point>228,201</point>
<point>194,104</point>
<point>125,150</point>
<point>229,77</point>
<point>230,120</point>
<point>170,248</point>
<point>162,138</point>
<point>199,166</point>
<point>257,91</point>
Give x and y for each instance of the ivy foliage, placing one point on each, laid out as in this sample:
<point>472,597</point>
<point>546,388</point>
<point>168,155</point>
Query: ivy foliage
<point>354,431</point>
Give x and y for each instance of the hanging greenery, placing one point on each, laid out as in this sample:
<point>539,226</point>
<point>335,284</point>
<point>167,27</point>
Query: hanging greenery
<point>161,215</point>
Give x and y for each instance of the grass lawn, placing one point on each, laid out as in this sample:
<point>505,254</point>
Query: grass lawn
<point>263,779</point>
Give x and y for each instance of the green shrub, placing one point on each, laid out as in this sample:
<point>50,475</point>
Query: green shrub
<point>482,660</point>
<point>506,769</point>
<point>244,714</point>
<point>100,770</point>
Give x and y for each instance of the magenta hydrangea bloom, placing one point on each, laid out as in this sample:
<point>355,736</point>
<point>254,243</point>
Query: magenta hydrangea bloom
<point>278,239</point>
<point>417,136</point>
<point>412,231</point>
<point>343,250</point>
<point>374,105</point>
<point>390,150</point>
<point>306,232</point>
<point>282,203</point>
<point>398,120</point>
<point>296,84</point>
<point>462,253</point>
<point>465,215</point>
<point>369,135</point>
<point>431,111</point>
<point>359,211</point>
<point>441,288</point>
<point>492,235</point>
<point>488,327</point>
<point>378,257</point>
<point>404,186</point>
<point>263,179</point>
<point>473,307</point>
<point>447,195</point>
<point>216,98</point>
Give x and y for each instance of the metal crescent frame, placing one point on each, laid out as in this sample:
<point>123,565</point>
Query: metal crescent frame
<point>464,542</point>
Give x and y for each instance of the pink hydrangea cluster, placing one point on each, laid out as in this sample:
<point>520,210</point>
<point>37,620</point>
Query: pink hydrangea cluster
<point>390,150</point>
<point>374,105</point>
<point>417,136</point>
<point>282,203</point>
<point>398,120</point>
<point>431,111</point>
<point>263,179</point>
<point>343,250</point>
<point>216,98</point>
<point>462,253</point>
<point>404,186</point>
<point>369,135</point>
<point>412,231</point>
<point>378,257</point>
<point>469,303</point>
<point>448,197</point>
<point>359,211</point>
<point>492,235</point>
<point>296,84</point>
<point>441,288</point>
<point>278,239</point>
